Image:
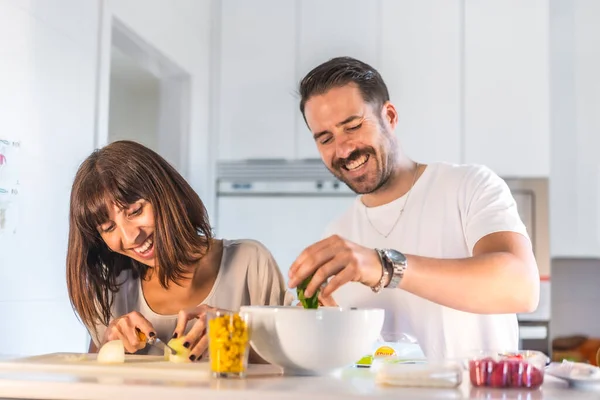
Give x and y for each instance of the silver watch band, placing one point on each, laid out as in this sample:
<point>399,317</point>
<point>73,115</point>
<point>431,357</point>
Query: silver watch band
<point>385,273</point>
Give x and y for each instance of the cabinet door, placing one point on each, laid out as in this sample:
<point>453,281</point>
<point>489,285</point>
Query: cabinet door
<point>257,108</point>
<point>507,119</point>
<point>286,225</point>
<point>575,172</point>
<point>420,63</point>
<point>328,29</point>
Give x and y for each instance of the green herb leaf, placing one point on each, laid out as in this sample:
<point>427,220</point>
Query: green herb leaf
<point>310,302</point>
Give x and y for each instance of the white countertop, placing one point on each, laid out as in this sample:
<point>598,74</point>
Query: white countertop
<point>351,383</point>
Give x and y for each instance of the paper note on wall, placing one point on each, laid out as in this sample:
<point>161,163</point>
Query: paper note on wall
<point>8,210</point>
<point>9,162</point>
<point>9,185</point>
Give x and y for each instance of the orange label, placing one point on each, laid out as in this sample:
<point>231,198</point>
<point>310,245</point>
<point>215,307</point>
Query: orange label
<point>385,351</point>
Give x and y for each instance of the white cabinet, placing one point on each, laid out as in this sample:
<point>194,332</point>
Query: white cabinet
<point>257,108</point>
<point>328,29</point>
<point>420,63</point>
<point>506,86</point>
<point>285,224</point>
<point>575,173</point>
<point>470,79</point>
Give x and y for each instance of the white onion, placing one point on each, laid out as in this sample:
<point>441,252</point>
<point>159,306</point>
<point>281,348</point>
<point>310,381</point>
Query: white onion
<point>112,352</point>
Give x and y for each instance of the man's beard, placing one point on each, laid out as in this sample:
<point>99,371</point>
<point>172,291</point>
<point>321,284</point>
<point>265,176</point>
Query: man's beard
<point>367,183</point>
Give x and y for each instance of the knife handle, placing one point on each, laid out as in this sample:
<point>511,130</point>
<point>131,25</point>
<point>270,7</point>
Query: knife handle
<point>142,336</point>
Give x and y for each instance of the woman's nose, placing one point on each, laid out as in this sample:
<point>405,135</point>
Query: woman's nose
<point>129,234</point>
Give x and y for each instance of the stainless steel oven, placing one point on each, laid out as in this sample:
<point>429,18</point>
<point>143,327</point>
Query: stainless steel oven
<point>532,197</point>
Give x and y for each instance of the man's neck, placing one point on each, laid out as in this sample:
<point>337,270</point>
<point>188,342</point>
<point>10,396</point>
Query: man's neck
<point>400,182</point>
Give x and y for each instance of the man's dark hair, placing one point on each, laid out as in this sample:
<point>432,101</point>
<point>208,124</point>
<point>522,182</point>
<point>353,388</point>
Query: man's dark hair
<point>339,72</point>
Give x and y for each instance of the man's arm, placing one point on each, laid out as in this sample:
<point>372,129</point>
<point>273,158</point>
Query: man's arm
<point>501,277</point>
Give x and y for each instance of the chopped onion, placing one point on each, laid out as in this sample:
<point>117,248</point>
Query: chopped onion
<point>182,354</point>
<point>112,352</point>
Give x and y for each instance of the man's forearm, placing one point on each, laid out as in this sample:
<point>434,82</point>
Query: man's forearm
<point>492,283</point>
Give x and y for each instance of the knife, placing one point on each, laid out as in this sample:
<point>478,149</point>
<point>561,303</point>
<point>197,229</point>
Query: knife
<point>154,341</point>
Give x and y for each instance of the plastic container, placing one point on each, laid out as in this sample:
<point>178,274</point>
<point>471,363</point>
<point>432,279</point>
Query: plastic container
<point>398,346</point>
<point>519,369</point>
<point>228,344</point>
<point>419,374</point>
<point>380,361</point>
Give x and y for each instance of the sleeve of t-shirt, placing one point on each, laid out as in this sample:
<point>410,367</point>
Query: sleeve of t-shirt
<point>488,206</point>
<point>95,336</point>
<point>265,281</point>
<point>117,308</point>
<point>96,331</point>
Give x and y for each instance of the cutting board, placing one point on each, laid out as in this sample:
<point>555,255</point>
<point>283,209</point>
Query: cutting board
<point>135,367</point>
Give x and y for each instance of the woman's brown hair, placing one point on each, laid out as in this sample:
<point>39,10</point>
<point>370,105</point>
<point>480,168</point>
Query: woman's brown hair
<point>122,173</point>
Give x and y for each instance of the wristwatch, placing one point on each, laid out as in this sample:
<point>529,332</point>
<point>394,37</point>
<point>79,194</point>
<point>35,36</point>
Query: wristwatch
<point>385,273</point>
<point>396,264</point>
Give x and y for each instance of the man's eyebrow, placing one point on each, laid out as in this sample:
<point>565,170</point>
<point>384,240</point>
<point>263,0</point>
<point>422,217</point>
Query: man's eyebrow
<point>349,119</point>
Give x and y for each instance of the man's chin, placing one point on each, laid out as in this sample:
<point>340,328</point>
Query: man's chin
<point>364,187</point>
<point>359,185</point>
<point>364,190</point>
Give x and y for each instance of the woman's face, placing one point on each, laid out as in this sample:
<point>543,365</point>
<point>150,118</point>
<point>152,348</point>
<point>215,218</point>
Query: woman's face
<point>131,231</point>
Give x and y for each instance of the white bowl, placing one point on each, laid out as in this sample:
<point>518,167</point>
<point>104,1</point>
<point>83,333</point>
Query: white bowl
<point>313,341</point>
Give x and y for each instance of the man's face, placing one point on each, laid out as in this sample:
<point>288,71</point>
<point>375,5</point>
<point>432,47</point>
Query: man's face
<point>356,142</point>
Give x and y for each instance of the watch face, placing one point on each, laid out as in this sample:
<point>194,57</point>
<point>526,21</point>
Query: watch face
<point>395,256</point>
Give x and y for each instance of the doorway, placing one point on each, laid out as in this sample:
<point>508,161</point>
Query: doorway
<point>148,97</point>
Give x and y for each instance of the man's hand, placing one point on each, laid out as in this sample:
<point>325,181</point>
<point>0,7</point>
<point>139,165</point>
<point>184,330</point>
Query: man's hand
<point>340,259</point>
<point>328,301</point>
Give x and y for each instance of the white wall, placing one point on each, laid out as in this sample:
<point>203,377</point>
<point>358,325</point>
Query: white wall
<point>47,102</point>
<point>181,31</point>
<point>134,106</point>
<point>54,75</point>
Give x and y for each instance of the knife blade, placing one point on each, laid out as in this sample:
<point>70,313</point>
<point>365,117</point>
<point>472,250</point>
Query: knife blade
<point>154,341</point>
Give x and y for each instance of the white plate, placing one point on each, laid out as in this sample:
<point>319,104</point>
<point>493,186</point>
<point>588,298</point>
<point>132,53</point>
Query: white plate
<point>576,374</point>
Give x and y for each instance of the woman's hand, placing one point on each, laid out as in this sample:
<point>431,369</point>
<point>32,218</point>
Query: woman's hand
<point>124,328</point>
<point>196,339</point>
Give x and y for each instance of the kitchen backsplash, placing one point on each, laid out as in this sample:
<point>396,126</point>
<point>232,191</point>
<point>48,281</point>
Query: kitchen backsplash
<point>575,297</point>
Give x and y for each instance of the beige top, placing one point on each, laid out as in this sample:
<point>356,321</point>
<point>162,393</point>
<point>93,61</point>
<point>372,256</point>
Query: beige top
<point>248,275</point>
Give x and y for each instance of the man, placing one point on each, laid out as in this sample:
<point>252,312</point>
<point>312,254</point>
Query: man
<point>441,247</point>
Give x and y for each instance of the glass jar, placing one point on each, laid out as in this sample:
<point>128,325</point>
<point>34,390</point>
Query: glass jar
<point>228,344</point>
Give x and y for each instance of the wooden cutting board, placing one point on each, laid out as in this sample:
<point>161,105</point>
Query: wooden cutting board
<point>135,366</point>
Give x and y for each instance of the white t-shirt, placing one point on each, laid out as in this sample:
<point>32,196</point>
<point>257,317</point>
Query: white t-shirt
<point>248,275</point>
<point>450,208</point>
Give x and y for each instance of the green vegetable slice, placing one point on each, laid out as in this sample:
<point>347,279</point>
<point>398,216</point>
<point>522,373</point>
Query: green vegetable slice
<point>310,302</point>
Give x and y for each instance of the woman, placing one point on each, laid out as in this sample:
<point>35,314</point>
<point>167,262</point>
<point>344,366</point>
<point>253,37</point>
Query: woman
<point>142,256</point>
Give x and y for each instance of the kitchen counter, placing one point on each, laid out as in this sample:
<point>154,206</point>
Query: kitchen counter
<point>263,383</point>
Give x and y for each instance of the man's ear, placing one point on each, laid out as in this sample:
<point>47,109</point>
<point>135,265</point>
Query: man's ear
<point>389,114</point>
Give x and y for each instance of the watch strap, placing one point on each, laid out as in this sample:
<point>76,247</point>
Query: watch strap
<point>385,272</point>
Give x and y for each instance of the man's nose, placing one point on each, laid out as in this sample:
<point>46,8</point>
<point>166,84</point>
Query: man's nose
<point>344,147</point>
